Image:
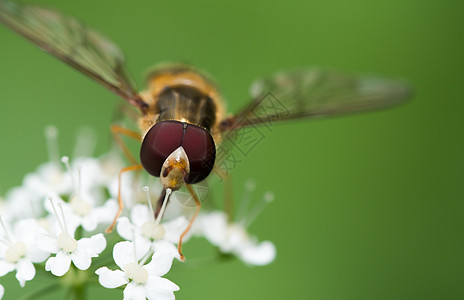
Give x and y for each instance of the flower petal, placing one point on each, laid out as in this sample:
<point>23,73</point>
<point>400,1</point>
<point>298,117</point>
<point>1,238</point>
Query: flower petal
<point>111,279</point>
<point>106,213</point>
<point>25,271</point>
<point>160,264</point>
<point>166,247</point>
<point>2,291</point>
<point>36,255</point>
<point>25,230</point>
<point>159,295</point>
<point>45,242</point>
<point>6,267</point>
<point>174,228</point>
<point>59,264</point>
<point>93,245</point>
<point>143,245</point>
<point>81,259</point>
<point>123,253</point>
<point>259,255</point>
<point>134,292</point>
<point>158,288</point>
<point>140,214</point>
<point>235,239</point>
<point>125,228</point>
<point>89,223</point>
<point>214,227</point>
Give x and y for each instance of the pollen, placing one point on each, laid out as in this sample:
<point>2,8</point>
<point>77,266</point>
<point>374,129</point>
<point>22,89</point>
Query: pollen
<point>135,272</point>
<point>66,242</point>
<point>80,207</point>
<point>153,231</point>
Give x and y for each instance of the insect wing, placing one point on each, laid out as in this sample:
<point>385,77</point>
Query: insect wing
<point>74,43</point>
<point>307,93</point>
<point>315,93</point>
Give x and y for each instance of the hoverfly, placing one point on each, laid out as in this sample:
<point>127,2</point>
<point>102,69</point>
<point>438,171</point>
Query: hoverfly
<point>182,117</point>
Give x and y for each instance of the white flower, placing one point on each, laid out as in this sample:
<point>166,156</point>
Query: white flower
<point>127,187</point>
<point>82,212</point>
<point>90,217</point>
<point>110,165</point>
<point>83,207</point>
<point>68,249</point>
<point>49,177</point>
<point>233,238</point>
<point>19,251</point>
<point>148,253</point>
<point>90,176</point>
<point>22,203</point>
<point>142,280</point>
<point>148,230</point>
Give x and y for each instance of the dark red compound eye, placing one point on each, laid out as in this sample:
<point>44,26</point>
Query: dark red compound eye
<point>166,136</point>
<point>201,152</point>
<point>159,142</point>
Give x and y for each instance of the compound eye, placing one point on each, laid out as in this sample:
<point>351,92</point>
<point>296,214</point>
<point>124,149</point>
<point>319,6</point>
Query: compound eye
<point>201,152</point>
<point>159,142</point>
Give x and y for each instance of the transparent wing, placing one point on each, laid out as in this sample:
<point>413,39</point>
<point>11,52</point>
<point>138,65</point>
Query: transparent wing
<point>74,43</point>
<point>307,93</point>
<point>315,93</point>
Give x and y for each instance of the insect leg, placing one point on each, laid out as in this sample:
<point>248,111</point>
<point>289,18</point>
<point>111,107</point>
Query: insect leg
<point>120,202</point>
<point>117,131</point>
<point>198,204</point>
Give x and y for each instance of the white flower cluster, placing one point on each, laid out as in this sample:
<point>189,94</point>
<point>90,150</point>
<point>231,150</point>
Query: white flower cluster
<point>59,213</point>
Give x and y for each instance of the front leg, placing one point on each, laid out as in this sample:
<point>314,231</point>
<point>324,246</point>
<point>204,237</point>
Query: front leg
<point>198,205</point>
<point>120,202</point>
<point>117,131</point>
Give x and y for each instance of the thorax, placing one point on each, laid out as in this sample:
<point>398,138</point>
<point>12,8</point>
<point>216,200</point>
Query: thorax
<point>182,94</point>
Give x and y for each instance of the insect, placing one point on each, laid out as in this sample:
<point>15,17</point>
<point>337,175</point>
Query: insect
<point>181,113</point>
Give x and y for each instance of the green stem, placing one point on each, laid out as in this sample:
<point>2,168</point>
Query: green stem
<point>75,281</point>
<point>78,292</point>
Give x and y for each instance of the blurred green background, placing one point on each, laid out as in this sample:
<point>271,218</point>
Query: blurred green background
<point>372,211</point>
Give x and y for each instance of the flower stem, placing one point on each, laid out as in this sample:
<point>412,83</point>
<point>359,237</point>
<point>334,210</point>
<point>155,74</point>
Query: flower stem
<point>75,281</point>
<point>76,292</point>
